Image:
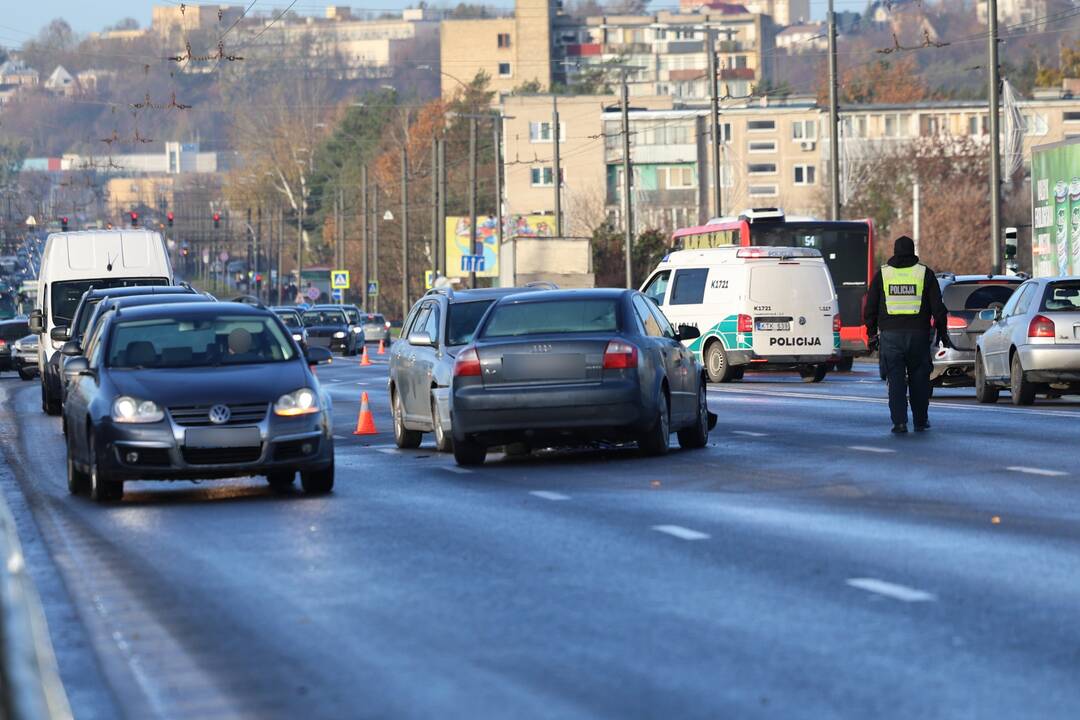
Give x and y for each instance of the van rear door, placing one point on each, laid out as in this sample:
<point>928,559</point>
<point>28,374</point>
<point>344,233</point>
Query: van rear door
<point>793,306</point>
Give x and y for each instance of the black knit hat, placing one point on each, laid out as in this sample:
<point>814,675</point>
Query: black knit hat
<point>904,246</point>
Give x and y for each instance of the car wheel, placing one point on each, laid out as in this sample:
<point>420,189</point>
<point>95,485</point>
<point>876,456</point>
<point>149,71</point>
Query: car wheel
<point>78,481</point>
<point>102,488</point>
<point>281,481</point>
<point>1023,391</point>
<point>716,363</point>
<point>49,404</point>
<point>813,373</point>
<point>845,364</point>
<point>469,452</point>
<point>404,437</point>
<point>656,439</point>
<point>25,374</point>
<point>697,435</point>
<point>443,441</point>
<point>984,391</point>
<point>318,482</point>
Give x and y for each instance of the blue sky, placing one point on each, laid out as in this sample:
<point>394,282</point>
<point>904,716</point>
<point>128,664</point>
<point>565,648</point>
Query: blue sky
<point>22,19</point>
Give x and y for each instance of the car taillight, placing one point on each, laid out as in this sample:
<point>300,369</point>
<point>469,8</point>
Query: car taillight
<point>746,324</point>
<point>957,323</point>
<point>387,324</point>
<point>620,355</point>
<point>836,324</point>
<point>1041,326</point>
<point>467,363</point>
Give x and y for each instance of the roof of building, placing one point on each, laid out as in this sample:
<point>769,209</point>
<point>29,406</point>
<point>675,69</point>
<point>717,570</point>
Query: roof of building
<point>800,29</point>
<point>15,67</point>
<point>59,77</point>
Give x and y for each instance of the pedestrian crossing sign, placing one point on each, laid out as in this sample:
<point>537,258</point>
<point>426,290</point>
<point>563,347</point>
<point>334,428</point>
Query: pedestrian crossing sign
<point>339,279</point>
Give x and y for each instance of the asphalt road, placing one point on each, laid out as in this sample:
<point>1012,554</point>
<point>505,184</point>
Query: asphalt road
<point>806,564</point>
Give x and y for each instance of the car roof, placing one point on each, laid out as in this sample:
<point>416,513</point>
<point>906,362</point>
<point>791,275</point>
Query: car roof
<point>475,294</point>
<point>140,290</point>
<point>949,278</point>
<point>140,300</point>
<point>323,306</point>
<point>569,294</point>
<point>192,310</point>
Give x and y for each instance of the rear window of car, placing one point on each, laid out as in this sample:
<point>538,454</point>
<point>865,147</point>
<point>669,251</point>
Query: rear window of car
<point>14,331</point>
<point>977,296</point>
<point>1062,296</point>
<point>552,317</point>
<point>462,320</point>
<point>376,319</point>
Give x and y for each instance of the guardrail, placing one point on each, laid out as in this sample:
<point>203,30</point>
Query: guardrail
<point>30,687</point>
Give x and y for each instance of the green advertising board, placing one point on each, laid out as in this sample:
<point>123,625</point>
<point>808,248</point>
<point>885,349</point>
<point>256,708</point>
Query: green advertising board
<point>1055,209</point>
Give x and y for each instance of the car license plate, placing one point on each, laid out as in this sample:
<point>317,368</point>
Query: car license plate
<point>222,437</point>
<point>773,325</point>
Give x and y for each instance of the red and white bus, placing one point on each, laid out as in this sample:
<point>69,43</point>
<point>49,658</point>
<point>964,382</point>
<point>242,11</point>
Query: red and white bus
<point>846,245</point>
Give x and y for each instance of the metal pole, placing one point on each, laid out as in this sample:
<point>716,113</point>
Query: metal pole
<point>364,237</point>
<point>834,120</point>
<point>499,186</point>
<point>472,199</point>
<point>375,243</point>
<point>628,210</point>
<point>255,263</point>
<point>995,139</point>
<point>441,254</point>
<point>556,170</point>
<point>404,231</point>
<point>915,213</point>
<point>341,235</point>
<point>714,122</point>
<point>280,252</point>
<point>250,247</point>
<point>434,207</point>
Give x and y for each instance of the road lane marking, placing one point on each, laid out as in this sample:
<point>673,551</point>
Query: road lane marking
<point>892,590</point>
<point>748,433</point>
<point>681,532</point>
<point>548,495</point>
<point>387,451</point>
<point>870,449</point>
<point>1036,471</point>
<point>456,469</point>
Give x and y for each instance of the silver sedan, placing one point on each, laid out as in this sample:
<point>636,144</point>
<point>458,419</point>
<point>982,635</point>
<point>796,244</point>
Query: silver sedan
<point>1032,344</point>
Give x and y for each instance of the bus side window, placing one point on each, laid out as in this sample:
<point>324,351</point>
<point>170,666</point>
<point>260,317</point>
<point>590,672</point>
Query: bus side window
<point>656,289</point>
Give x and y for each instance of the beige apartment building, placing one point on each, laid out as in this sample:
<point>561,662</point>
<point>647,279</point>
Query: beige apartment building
<point>181,18</point>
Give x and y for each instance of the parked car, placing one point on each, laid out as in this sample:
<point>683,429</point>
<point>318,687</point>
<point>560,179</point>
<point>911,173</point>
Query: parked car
<point>196,391</point>
<point>376,328</point>
<point>25,357</point>
<point>10,332</point>
<point>329,327</point>
<point>1032,344</point>
<point>563,366</point>
<point>294,321</point>
<point>964,297</point>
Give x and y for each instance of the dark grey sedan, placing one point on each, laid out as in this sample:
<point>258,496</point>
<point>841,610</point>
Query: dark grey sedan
<point>559,367</point>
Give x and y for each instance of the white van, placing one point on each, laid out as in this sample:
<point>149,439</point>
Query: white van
<point>71,264</point>
<point>770,307</point>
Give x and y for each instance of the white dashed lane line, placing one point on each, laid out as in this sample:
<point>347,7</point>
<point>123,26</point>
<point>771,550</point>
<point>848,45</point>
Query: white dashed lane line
<point>748,433</point>
<point>1035,471</point>
<point>456,469</point>
<point>891,590</point>
<point>870,449</point>
<point>681,532</point>
<point>548,495</point>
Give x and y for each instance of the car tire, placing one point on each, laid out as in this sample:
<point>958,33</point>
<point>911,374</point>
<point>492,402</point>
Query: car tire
<point>404,438</point>
<point>469,452</point>
<point>49,404</point>
<point>281,481</point>
<point>845,364</point>
<point>1022,390</point>
<point>655,441</point>
<point>25,374</point>
<point>78,481</point>
<point>102,488</point>
<point>317,482</point>
<point>717,367</point>
<point>696,436</point>
<point>444,442</point>
<point>984,392</point>
<point>813,373</point>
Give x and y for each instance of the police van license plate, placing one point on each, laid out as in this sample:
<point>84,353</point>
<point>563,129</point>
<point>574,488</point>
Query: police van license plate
<point>773,325</point>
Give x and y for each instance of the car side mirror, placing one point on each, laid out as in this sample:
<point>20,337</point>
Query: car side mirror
<point>37,324</point>
<point>990,315</point>
<point>319,356</point>
<point>421,339</point>
<point>688,332</point>
<point>60,334</point>
<point>71,349</point>
<point>78,366</point>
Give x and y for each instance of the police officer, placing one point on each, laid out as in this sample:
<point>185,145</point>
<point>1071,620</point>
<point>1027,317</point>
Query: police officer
<point>900,302</point>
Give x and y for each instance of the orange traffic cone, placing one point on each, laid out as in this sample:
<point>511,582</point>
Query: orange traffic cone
<point>365,421</point>
<point>364,359</point>
<point>382,350</point>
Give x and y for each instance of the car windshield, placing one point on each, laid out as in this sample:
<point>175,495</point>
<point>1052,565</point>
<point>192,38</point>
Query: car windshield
<point>977,295</point>
<point>353,315</point>
<point>197,342</point>
<point>65,295</point>
<point>291,320</point>
<point>552,317</point>
<point>10,332</point>
<point>1062,296</point>
<point>462,320</point>
<point>324,317</point>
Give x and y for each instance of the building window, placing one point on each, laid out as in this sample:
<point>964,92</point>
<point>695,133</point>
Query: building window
<point>805,175</point>
<point>762,146</point>
<point>1071,116</point>
<point>763,191</point>
<point>761,168</point>
<point>977,124</point>
<point>540,176</point>
<point>1035,124</point>
<point>678,177</point>
<point>804,130</point>
<point>761,125</point>
<point>540,132</point>
<point>854,127</point>
<point>725,132</point>
<point>504,40</point>
<point>504,69</point>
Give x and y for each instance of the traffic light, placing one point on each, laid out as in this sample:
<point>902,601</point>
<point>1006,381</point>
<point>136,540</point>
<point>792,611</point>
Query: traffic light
<point>217,220</point>
<point>63,224</point>
<point>134,218</point>
<point>169,217</point>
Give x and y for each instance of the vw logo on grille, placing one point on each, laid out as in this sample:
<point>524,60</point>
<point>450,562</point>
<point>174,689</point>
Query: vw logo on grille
<point>220,414</point>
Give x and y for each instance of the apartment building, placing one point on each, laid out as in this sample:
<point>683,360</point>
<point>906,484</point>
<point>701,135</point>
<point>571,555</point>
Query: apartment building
<point>184,18</point>
<point>783,12</point>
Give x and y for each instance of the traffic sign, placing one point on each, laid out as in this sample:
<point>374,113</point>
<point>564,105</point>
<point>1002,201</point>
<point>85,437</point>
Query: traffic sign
<point>429,279</point>
<point>373,288</point>
<point>223,256</point>
<point>339,279</point>
<point>31,221</point>
<point>472,263</point>
<point>337,295</point>
<point>313,293</point>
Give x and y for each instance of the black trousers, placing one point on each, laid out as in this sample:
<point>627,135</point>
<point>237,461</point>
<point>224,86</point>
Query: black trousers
<point>905,364</point>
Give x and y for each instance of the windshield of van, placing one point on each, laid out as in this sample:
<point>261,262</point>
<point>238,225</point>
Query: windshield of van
<point>65,295</point>
<point>198,342</point>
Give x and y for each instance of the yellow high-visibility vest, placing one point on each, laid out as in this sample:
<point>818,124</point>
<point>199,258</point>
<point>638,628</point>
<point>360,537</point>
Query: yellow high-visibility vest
<point>903,289</point>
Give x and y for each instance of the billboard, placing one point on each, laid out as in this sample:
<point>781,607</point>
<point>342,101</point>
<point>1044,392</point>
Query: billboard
<point>487,240</point>
<point>1055,209</point>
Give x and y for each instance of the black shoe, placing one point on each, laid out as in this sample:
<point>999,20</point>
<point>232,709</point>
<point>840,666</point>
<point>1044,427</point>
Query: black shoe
<point>899,428</point>
<point>920,427</point>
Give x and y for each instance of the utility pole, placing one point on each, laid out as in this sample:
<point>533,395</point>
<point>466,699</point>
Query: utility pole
<point>497,118</point>
<point>995,139</point>
<point>834,121</point>
<point>434,207</point>
<point>440,255</point>
<point>404,231</point>
<point>258,241</point>
<point>250,250</point>
<point>364,236</point>
<point>300,247</point>
<point>280,252</point>
<point>556,166</point>
<point>375,243</point>
<point>472,199</point>
<point>714,121</point>
<point>628,209</point>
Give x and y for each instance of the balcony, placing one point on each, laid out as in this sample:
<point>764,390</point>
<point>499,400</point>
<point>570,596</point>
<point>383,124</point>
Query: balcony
<point>737,74</point>
<point>583,49</point>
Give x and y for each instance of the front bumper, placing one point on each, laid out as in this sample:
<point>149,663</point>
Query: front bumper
<point>1051,363</point>
<point>774,362</point>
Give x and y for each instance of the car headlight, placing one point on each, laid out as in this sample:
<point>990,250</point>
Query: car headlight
<point>297,337</point>
<point>357,330</point>
<point>339,334</point>
<point>299,402</point>
<point>131,410</point>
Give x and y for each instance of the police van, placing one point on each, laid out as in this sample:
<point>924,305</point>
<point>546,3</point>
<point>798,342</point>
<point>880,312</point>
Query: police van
<point>767,308</point>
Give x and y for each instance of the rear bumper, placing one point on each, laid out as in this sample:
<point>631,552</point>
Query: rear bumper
<point>748,357</point>
<point>1051,363</point>
<point>953,367</point>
